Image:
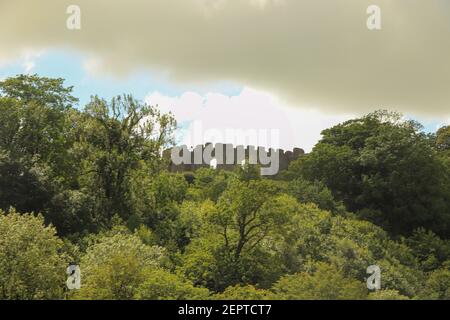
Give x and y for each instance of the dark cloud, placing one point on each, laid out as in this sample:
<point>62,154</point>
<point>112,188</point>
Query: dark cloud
<point>310,52</point>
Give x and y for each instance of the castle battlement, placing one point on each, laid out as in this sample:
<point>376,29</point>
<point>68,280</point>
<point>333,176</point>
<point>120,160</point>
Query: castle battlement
<point>227,157</point>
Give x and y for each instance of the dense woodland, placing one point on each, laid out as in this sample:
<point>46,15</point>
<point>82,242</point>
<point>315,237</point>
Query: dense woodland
<point>87,185</point>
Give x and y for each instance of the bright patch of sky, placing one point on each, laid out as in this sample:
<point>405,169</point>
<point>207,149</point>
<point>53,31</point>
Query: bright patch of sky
<point>73,68</point>
<point>213,109</point>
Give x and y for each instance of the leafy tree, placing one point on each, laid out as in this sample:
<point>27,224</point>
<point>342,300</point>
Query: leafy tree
<point>385,170</point>
<point>199,263</point>
<point>305,238</point>
<point>430,250</point>
<point>443,138</point>
<point>350,245</point>
<point>34,141</point>
<point>247,171</point>
<point>164,194</point>
<point>42,90</point>
<point>192,221</point>
<point>115,265</point>
<point>209,184</point>
<point>163,285</point>
<point>325,282</point>
<point>26,189</point>
<point>72,212</point>
<point>119,140</point>
<point>247,292</point>
<point>437,286</point>
<point>248,213</point>
<point>235,242</point>
<point>374,191</point>
<point>32,265</point>
<point>33,124</point>
<point>315,192</point>
<point>396,276</point>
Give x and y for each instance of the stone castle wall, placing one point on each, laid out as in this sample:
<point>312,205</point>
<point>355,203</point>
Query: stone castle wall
<point>227,156</point>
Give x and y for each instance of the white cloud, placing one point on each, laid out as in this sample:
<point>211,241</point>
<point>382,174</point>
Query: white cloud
<point>215,114</point>
<point>29,58</point>
<point>92,66</point>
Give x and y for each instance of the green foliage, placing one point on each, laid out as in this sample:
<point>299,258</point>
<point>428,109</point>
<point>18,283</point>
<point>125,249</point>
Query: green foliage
<point>201,263</point>
<point>41,90</point>
<point>315,192</point>
<point>437,286</point>
<point>430,250</point>
<point>209,184</point>
<point>443,138</point>
<point>249,216</point>
<point>248,292</point>
<point>374,191</point>
<point>162,285</point>
<point>115,265</point>
<point>385,170</point>
<point>248,213</point>
<point>118,140</point>
<point>386,295</point>
<point>165,193</point>
<point>192,221</point>
<point>325,282</point>
<point>32,265</point>
<point>34,141</point>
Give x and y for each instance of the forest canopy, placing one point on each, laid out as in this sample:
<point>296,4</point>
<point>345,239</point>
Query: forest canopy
<point>90,186</point>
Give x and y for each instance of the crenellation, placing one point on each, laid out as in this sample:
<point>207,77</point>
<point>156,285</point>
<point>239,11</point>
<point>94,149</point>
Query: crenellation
<point>227,157</point>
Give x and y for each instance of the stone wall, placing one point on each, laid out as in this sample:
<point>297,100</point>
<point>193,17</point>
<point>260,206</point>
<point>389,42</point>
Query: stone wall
<point>227,156</point>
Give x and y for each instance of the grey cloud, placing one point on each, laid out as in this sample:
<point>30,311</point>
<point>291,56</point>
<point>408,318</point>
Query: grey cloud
<point>309,52</point>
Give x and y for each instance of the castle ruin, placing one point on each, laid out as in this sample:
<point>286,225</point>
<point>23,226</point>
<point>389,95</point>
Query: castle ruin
<point>227,157</point>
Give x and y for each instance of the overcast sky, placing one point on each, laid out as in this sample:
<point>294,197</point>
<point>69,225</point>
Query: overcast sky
<point>296,66</point>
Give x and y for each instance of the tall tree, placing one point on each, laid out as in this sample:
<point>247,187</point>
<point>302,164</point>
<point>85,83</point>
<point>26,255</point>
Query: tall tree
<point>34,141</point>
<point>119,139</point>
<point>384,169</point>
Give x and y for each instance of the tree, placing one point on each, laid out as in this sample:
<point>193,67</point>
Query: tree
<point>315,192</point>
<point>163,285</point>
<point>33,123</point>
<point>437,286</point>
<point>374,191</point>
<point>37,167</point>
<point>200,264</point>
<point>41,90</point>
<point>32,265</point>
<point>192,220</point>
<point>429,249</point>
<point>115,265</point>
<point>26,189</point>
<point>237,235</point>
<point>34,141</point>
<point>209,184</point>
<point>247,292</point>
<point>120,143</point>
<point>350,245</point>
<point>164,193</point>
<point>443,138</point>
<point>385,170</point>
<point>248,213</point>
<point>325,282</point>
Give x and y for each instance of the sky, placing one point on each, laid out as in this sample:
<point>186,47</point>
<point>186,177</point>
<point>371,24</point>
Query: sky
<point>278,70</point>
